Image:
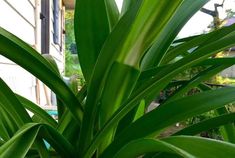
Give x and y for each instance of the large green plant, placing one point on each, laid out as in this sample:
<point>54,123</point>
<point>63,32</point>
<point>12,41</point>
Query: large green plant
<point>127,58</point>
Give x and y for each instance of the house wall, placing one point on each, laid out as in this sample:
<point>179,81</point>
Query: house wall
<point>22,18</point>
<point>16,19</point>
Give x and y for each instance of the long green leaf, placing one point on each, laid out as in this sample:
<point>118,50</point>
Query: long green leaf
<point>207,124</point>
<point>185,39</point>
<point>133,115</point>
<point>59,104</point>
<point>120,82</point>
<point>148,25</point>
<point>52,62</point>
<point>146,146</point>
<point>21,142</point>
<point>195,146</point>
<point>69,128</point>
<point>8,123</point>
<point>17,113</point>
<point>217,61</point>
<point>145,75</point>
<point>4,127</point>
<point>67,124</point>
<point>61,145</point>
<point>126,4</point>
<point>228,130</point>
<point>112,12</point>
<point>91,30</point>
<point>167,73</point>
<point>202,76</point>
<point>12,105</point>
<point>171,113</point>
<point>103,64</point>
<point>197,41</point>
<point>187,9</point>
<point>19,145</point>
<point>184,146</point>
<point>11,46</point>
<point>37,111</point>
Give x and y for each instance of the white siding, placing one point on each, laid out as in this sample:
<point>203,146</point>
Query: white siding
<point>21,17</point>
<point>20,6</point>
<point>12,20</point>
<point>18,17</point>
<point>19,80</point>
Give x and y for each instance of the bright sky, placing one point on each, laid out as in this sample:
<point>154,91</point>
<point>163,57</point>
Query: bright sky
<point>199,22</point>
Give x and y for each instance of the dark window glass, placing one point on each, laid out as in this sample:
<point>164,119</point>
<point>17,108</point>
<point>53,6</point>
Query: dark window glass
<point>56,15</point>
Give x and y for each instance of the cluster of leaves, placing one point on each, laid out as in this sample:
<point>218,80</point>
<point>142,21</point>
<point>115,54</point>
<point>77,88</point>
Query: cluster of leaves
<point>127,59</point>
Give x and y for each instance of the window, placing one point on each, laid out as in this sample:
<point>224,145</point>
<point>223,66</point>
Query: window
<point>56,22</point>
